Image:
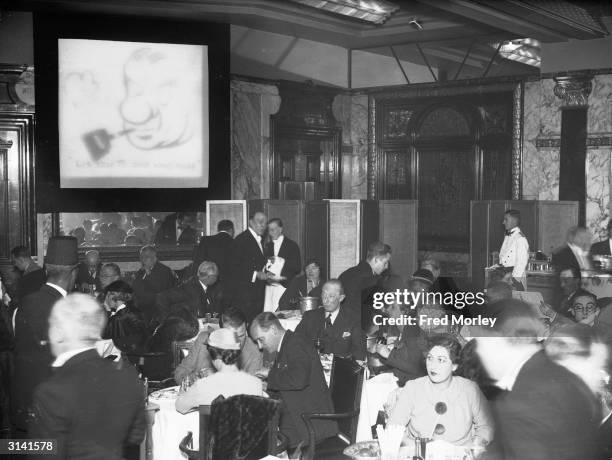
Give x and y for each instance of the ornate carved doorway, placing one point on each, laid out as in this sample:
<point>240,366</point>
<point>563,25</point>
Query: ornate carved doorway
<point>444,150</point>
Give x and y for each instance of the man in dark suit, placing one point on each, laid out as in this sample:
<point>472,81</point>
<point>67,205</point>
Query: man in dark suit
<point>33,277</point>
<point>360,281</point>
<point>32,354</point>
<point>575,254</point>
<point>602,248</point>
<point>175,229</point>
<point>296,377</point>
<point>307,285</point>
<point>201,294</point>
<point>153,278</point>
<point>89,271</point>
<point>282,247</point>
<point>90,407</point>
<point>547,412</point>
<point>336,326</point>
<point>216,248</point>
<point>248,277</point>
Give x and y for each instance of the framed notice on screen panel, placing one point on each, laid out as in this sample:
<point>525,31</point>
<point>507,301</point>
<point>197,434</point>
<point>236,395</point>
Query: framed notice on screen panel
<point>131,113</point>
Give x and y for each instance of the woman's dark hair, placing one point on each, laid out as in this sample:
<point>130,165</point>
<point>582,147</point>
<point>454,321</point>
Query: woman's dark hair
<point>228,357</point>
<point>180,326</point>
<point>447,341</point>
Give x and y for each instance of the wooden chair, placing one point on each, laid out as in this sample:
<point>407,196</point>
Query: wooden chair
<point>346,384</point>
<point>272,442</point>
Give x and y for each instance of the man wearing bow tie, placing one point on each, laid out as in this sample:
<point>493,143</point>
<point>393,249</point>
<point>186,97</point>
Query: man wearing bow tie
<point>247,267</point>
<point>514,253</point>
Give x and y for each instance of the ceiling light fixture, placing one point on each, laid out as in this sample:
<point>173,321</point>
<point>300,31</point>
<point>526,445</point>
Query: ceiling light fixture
<point>375,11</point>
<point>523,50</point>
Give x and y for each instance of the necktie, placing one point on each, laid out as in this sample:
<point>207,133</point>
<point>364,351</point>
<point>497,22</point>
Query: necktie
<point>508,232</point>
<point>328,321</point>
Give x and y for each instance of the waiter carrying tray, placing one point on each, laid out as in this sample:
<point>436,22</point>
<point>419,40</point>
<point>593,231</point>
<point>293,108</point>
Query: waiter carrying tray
<point>514,252</point>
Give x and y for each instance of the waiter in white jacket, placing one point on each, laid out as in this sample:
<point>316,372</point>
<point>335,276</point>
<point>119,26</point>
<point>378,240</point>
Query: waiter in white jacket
<point>514,253</point>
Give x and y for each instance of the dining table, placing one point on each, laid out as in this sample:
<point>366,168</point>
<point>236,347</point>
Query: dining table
<point>374,395</point>
<point>170,426</point>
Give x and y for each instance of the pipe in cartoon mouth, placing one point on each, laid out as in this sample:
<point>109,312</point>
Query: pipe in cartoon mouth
<point>98,142</point>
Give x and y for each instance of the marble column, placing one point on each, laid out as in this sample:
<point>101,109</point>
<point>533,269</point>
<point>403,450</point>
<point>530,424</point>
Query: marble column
<point>251,105</point>
<point>574,93</point>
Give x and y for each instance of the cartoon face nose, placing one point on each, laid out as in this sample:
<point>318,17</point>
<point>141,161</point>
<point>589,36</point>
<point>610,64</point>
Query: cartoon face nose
<point>136,110</point>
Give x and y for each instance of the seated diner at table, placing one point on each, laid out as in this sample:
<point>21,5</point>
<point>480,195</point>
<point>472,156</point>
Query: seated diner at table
<point>441,405</point>
<point>224,349</point>
<point>198,360</point>
<point>308,284</point>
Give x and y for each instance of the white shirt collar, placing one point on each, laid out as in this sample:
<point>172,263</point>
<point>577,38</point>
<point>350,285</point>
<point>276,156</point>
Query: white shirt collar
<point>120,307</point>
<point>509,379</point>
<point>280,342</point>
<point>65,356</point>
<point>279,240</point>
<point>59,289</point>
<point>334,315</point>
<point>203,286</point>
<point>255,235</point>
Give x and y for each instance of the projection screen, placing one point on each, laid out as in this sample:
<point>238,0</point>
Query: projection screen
<point>132,114</point>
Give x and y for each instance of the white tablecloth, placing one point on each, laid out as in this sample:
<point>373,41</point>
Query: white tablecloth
<point>170,427</point>
<point>373,397</point>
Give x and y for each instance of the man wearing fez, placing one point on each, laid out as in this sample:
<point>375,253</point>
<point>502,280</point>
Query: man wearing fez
<point>32,354</point>
<point>90,407</point>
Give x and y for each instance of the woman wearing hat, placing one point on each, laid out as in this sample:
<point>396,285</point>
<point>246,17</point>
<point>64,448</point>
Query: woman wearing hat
<point>224,349</point>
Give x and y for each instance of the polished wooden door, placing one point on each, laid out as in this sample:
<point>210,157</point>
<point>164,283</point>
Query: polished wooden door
<point>17,218</point>
<point>444,152</point>
<point>446,185</point>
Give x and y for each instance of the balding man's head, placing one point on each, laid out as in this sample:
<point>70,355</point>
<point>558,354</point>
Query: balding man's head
<point>208,273</point>
<point>76,321</point>
<point>332,294</point>
<point>148,257</point>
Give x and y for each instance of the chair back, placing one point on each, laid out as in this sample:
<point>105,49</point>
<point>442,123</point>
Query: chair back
<point>224,435</point>
<point>346,383</point>
<point>180,349</point>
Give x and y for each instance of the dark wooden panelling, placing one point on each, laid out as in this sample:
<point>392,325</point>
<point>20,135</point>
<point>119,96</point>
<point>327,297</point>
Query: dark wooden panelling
<point>317,234</point>
<point>16,186</point>
<point>369,225</point>
<point>399,229</point>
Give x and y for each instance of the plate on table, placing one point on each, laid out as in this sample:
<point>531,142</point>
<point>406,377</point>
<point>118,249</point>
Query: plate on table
<point>364,450</point>
<point>166,393</point>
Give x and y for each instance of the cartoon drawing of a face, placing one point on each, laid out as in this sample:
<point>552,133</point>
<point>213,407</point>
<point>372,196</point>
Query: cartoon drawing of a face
<point>156,110</point>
